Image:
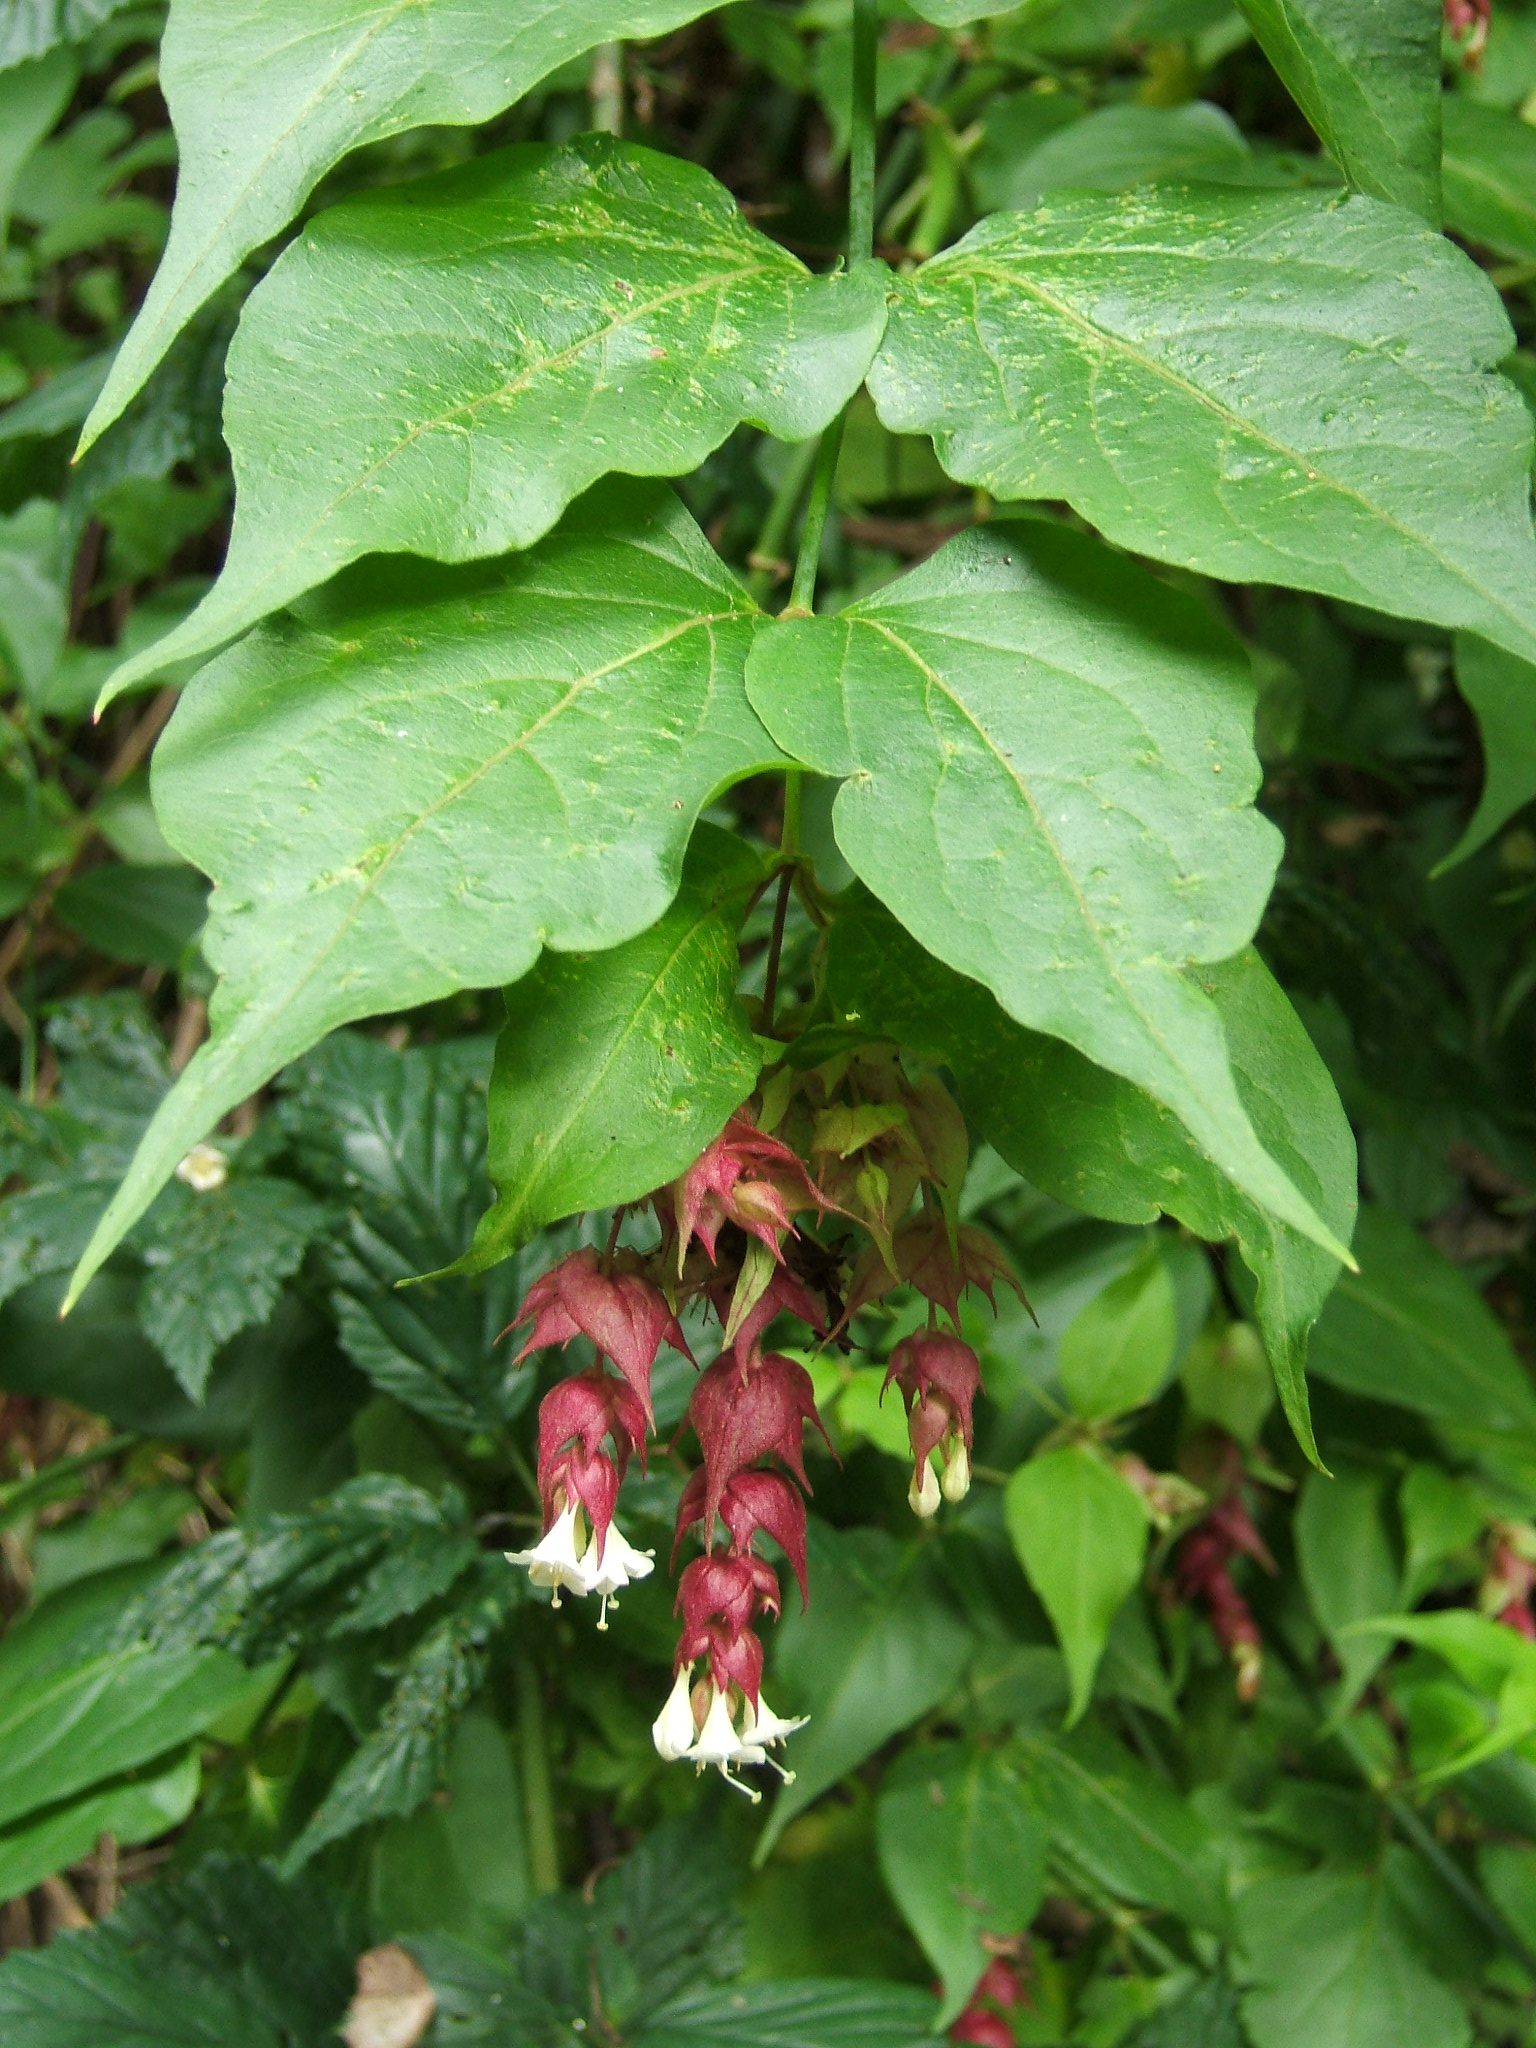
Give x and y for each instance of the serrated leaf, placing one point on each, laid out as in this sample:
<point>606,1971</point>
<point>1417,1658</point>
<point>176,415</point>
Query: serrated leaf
<point>217,1263</point>
<point>1367,77</point>
<point>1080,1534</point>
<point>1095,1142</point>
<point>31,28</point>
<point>1336,1959</point>
<point>266,95</point>
<point>1411,1329</point>
<point>1490,177</point>
<point>226,1957</point>
<point>131,1810</point>
<point>962,1850</point>
<point>880,1645</point>
<point>458,359</point>
<point>1270,387</point>
<point>614,1070</point>
<point>812,2013</point>
<point>1127,1827</point>
<point>398,1138</point>
<point>1051,783</point>
<point>591,688</point>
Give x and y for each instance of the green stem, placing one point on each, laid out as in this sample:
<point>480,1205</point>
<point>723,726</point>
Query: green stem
<point>607,88</point>
<point>764,560</point>
<point>538,1797</point>
<point>861,156</point>
<point>789,836</point>
<point>803,591</point>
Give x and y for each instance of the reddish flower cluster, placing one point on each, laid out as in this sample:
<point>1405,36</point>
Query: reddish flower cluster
<point>1203,1568</point>
<point>1506,1591</point>
<point>985,2021</point>
<point>732,1239</point>
<point>1468,22</point>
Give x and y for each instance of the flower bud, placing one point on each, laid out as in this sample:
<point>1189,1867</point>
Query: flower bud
<point>956,1483</point>
<point>923,1493</point>
<point>673,1731</point>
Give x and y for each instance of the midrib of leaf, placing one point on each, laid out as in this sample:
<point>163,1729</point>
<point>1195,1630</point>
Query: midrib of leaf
<point>1392,1314</point>
<point>550,365</point>
<point>1235,423</point>
<point>627,1031</point>
<point>1062,1759</point>
<point>1472,174</point>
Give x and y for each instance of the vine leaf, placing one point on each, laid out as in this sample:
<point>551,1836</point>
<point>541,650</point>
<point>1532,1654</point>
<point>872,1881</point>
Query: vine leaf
<point>1265,386</point>
<point>1100,1145</point>
<point>1367,77</point>
<point>347,777</point>
<point>442,367</point>
<point>1490,177</point>
<point>266,95</point>
<point>615,1070</point>
<point>1050,784</point>
<point>1501,690</point>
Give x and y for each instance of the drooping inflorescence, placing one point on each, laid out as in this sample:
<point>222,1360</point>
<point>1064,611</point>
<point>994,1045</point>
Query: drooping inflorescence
<point>809,1218</point>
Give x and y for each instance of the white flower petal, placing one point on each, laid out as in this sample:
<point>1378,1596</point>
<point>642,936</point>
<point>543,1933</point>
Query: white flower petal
<point>621,1564</point>
<point>555,1561</point>
<point>764,1725</point>
<point>673,1731</point>
<point>718,1741</point>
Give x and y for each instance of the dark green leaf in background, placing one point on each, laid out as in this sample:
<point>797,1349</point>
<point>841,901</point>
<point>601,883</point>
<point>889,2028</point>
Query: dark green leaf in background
<point>441,368</point>
<point>1490,177</point>
<point>394,731</point>
<point>614,1070</point>
<point>1501,688</point>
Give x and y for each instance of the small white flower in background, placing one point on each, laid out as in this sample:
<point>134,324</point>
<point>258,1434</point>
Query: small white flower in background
<point>204,1169</point>
<point>562,1558</point>
<point>673,1731</point>
<point>620,1565</point>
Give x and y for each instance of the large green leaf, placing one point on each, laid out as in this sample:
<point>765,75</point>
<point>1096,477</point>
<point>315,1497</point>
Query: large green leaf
<point>1080,1533</point>
<point>1270,387</point>
<point>32,97</point>
<point>614,1070</point>
<point>1125,1826</point>
<point>267,94</point>
<point>880,1645</point>
<point>1337,1959</point>
<point>812,2013</point>
<point>1345,1556</point>
<point>1490,177</point>
<point>1366,73</point>
<point>1052,776</point>
<point>1410,1328</point>
<point>1101,1145</point>
<point>1501,688</point>
<point>1119,1348</point>
<point>443,367</point>
<point>131,1810</point>
<point>226,1957</point>
<point>962,1849</point>
<point>347,778</point>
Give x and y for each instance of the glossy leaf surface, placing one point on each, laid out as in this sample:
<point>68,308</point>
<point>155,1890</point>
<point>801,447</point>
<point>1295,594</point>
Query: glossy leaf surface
<point>393,730</point>
<point>1269,386</point>
<point>442,367</point>
<point>1051,782</point>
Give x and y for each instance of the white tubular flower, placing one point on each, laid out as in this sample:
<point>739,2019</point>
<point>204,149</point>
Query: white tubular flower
<point>563,1558</point>
<point>956,1483</point>
<point>762,1727</point>
<point>923,1493</point>
<point>720,1745</point>
<point>673,1731</point>
<point>619,1566</point>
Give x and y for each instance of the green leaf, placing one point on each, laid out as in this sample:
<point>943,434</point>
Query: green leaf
<point>131,1810</point>
<point>30,28</point>
<point>217,1263</point>
<point>614,1070</point>
<point>1337,1959</point>
<point>226,1957</point>
<point>1051,781</point>
<point>1126,1827</point>
<point>1118,1349</point>
<point>328,82</point>
<point>464,356</point>
<point>962,1850</point>
<point>1490,177</point>
<point>403,1761</point>
<point>1411,1329</point>
<point>1348,1567</point>
<point>34,612</point>
<point>880,1646</point>
<point>32,97</point>
<point>591,688</point>
<point>815,2012</point>
<point>1271,387</point>
<point>1367,77</point>
<point>68,1730</point>
<point>1501,689</point>
<point>1106,151</point>
<point>1095,1142</point>
<point>146,916</point>
<point>1080,1534</point>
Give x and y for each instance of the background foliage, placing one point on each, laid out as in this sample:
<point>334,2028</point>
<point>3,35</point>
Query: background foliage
<point>271,1699</point>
